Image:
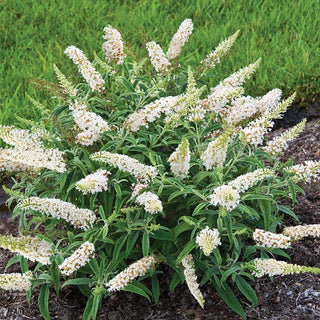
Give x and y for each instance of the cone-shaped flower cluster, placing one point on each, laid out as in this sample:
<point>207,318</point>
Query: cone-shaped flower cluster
<point>141,171</point>
<point>65,84</point>
<point>150,113</point>
<point>28,152</point>
<point>270,100</point>
<point>90,124</point>
<point>138,268</point>
<point>191,279</point>
<point>179,39</point>
<point>228,195</point>
<point>272,267</point>
<point>179,159</point>
<point>216,152</point>
<point>280,143</point>
<point>93,183</point>
<point>208,240</point>
<point>213,58</point>
<point>90,74</point>
<point>149,200</point>
<point>113,47</point>
<point>19,138</point>
<point>307,172</point>
<point>298,232</point>
<point>157,57</point>
<point>80,218</point>
<point>255,131</point>
<point>246,181</point>
<point>271,240</point>
<point>79,258</point>
<point>16,281</point>
<point>29,247</point>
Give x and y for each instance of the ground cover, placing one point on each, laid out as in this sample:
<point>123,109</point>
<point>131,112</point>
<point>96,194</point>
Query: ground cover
<point>33,36</point>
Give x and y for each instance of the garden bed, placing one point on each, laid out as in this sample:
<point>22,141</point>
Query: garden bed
<point>290,297</point>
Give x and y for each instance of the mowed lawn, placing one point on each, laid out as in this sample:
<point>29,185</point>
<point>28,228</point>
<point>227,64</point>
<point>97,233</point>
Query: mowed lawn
<point>34,35</point>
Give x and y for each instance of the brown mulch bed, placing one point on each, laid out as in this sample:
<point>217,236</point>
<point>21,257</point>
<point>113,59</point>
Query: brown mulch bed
<point>293,297</point>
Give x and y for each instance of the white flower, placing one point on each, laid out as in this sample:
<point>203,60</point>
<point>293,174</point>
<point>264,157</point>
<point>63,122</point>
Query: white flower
<point>269,100</point>
<point>90,124</point>
<point>225,196</point>
<point>255,131</point>
<point>238,78</point>
<point>19,138</point>
<point>32,159</point>
<point>179,39</point>
<point>93,183</point>
<point>150,113</point>
<point>298,232</point>
<point>216,152</point>
<point>150,201</point>
<point>16,281</point>
<point>272,267</point>
<point>270,240</point>
<point>280,143</point>
<point>158,58</point>
<point>141,171</point>
<point>79,258</point>
<point>179,159</point>
<point>138,268</point>
<point>191,279</point>
<point>66,85</point>
<point>113,47</point>
<point>241,108</point>
<point>246,181</point>
<point>29,247</point>
<point>307,172</point>
<point>208,240</point>
<point>219,97</point>
<point>213,58</point>
<point>90,74</point>
<point>80,218</point>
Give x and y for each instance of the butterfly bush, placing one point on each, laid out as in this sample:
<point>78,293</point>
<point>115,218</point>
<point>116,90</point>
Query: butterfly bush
<point>149,170</point>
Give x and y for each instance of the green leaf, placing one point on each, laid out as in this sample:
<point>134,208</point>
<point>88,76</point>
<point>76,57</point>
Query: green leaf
<point>78,281</point>
<point>230,299</point>
<point>162,235</point>
<point>247,290</point>
<point>176,279</point>
<point>132,238</point>
<point>292,191</point>
<point>198,208</point>
<point>145,243</point>
<point>228,223</point>
<point>132,288</point>
<point>186,250</point>
<point>155,288</point>
<point>55,273</point>
<point>229,272</point>
<point>249,251</point>
<point>88,310</point>
<point>181,227</point>
<point>12,261</point>
<point>24,264</point>
<point>96,304</point>
<point>266,209</point>
<point>288,211</point>
<point>279,252</point>
<point>43,301</point>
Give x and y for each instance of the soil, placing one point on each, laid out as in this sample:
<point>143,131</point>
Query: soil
<point>293,297</point>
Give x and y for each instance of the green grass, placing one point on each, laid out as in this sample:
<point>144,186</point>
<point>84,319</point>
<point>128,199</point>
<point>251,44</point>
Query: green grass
<point>34,34</point>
